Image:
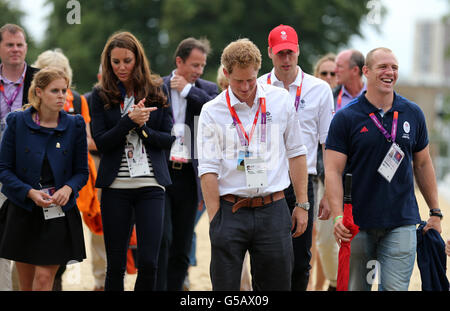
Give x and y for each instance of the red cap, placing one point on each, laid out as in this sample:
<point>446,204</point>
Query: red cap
<point>283,37</point>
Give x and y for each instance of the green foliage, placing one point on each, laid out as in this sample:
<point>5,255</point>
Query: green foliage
<point>83,43</point>
<point>323,26</point>
<point>10,14</point>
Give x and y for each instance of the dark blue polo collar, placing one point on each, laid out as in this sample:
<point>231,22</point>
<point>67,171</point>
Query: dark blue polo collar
<point>368,108</point>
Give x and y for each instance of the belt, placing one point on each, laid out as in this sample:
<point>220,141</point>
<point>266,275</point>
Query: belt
<point>252,202</point>
<point>178,165</point>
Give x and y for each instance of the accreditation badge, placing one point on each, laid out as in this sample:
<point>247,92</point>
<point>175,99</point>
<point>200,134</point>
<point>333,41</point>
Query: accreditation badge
<point>137,161</point>
<point>255,172</point>
<point>242,155</point>
<point>53,210</point>
<point>391,162</point>
<point>179,151</point>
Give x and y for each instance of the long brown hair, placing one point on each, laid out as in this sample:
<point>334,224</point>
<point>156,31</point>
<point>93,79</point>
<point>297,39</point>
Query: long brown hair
<point>146,84</point>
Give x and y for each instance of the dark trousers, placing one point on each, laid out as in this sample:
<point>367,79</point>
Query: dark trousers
<point>121,208</point>
<point>302,244</point>
<point>179,223</point>
<point>265,232</point>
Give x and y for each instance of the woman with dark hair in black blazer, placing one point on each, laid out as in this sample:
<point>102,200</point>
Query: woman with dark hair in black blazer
<point>129,112</point>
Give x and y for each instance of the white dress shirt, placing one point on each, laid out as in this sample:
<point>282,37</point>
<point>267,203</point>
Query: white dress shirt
<point>219,145</point>
<point>179,104</point>
<point>315,110</point>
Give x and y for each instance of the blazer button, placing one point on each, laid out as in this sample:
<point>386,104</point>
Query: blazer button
<point>27,150</point>
<point>65,152</point>
<point>24,169</point>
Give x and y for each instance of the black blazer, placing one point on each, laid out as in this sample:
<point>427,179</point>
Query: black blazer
<point>202,92</point>
<point>29,74</point>
<point>336,91</point>
<point>109,131</point>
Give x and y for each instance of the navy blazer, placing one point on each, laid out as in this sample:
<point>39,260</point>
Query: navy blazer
<point>22,152</point>
<point>29,74</point>
<point>431,260</point>
<point>202,92</point>
<point>109,131</point>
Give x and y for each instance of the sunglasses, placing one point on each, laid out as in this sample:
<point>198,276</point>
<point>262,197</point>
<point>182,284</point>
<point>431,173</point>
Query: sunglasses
<point>325,73</point>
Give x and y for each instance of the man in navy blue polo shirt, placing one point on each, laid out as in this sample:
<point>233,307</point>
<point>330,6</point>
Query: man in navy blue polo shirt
<point>376,138</point>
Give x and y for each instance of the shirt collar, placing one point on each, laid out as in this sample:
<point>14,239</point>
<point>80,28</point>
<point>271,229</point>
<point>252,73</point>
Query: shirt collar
<point>259,93</point>
<point>346,93</point>
<point>5,80</point>
<point>296,83</point>
<point>369,108</point>
<point>173,74</point>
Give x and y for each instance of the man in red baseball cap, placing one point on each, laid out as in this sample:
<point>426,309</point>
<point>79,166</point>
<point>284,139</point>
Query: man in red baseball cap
<point>283,37</point>
<point>313,101</point>
<point>284,52</point>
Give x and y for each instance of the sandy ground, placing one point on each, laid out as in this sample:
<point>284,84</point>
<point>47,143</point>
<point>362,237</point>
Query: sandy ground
<point>78,277</point>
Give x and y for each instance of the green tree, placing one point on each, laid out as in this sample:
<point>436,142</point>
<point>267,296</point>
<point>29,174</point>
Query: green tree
<point>323,26</point>
<point>83,43</point>
<point>11,14</point>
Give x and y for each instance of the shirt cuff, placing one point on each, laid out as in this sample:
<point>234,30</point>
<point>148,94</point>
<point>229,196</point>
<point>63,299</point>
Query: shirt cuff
<point>187,88</point>
<point>204,169</point>
<point>297,152</point>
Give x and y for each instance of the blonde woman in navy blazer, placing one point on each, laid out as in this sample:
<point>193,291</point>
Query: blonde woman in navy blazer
<point>42,147</point>
<point>128,82</point>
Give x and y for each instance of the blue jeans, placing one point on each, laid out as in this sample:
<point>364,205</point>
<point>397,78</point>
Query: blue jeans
<point>392,251</point>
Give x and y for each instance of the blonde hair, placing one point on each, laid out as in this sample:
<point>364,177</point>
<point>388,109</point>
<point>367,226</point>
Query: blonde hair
<point>54,58</point>
<point>41,80</point>
<point>222,80</point>
<point>243,53</point>
<point>330,57</point>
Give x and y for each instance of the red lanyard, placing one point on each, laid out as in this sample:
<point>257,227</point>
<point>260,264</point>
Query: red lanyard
<point>240,128</point>
<point>298,93</point>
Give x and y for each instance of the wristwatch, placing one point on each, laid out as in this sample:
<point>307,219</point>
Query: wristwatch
<point>305,205</point>
<point>436,212</point>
